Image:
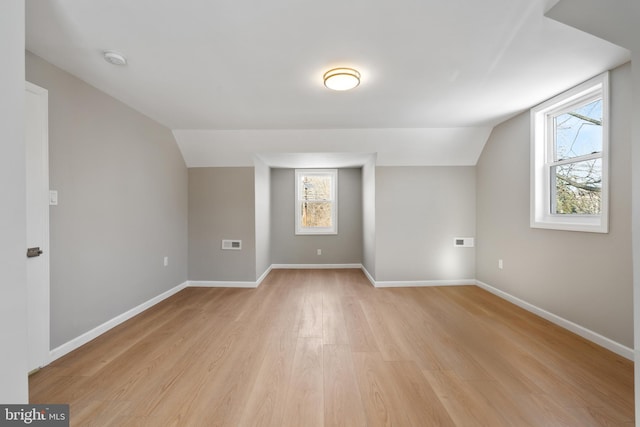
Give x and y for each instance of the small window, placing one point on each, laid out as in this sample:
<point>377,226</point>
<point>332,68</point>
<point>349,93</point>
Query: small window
<point>316,201</point>
<point>569,159</point>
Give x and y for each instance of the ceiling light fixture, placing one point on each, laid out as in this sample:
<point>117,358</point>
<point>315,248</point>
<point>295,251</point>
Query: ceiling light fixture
<point>341,78</point>
<point>114,58</point>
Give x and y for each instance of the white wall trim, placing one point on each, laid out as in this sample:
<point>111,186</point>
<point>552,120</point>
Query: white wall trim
<point>415,283</point>
<point>423,283</point>
<point>588,334</point>
<point>312,266</point>
<point>228,284</point>
<point>221,284</point>
<point>69,346</point>
<point>369,276</point>
<point>264,276</point>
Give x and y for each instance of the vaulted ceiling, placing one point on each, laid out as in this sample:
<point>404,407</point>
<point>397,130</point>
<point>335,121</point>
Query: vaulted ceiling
<point>235,78</point>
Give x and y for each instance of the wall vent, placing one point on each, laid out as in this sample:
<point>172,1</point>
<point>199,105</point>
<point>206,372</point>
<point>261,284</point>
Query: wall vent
<point>463,242</point>
<point>232,245</point>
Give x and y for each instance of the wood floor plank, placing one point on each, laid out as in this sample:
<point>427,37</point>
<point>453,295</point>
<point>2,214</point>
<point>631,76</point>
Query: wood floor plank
<point>361,338</point>
<point>305,396</point>
<point>544,409</point>
<point>389,337</point>
<point>380,397</point>
<point>464,404</point>
<point>65,389</point>
<point>509,408</point>
<point>222,392</point>
<point>597,416</point>
<point>355,283</point>
<point>423,407</point>
<point>420,333</point>
<point>325,348</point>
<point>334,328</point>
<point>187,382</point>
<point>311,318</point>
<point>266,403</point>
<point>342,401</point>
<point>110,412</point>
<point>396,393</point>
<point>226,390</point>
<point>448,344</point>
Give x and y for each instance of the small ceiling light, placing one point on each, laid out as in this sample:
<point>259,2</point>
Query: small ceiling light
<point>114,58</point>
<point>341,78</point>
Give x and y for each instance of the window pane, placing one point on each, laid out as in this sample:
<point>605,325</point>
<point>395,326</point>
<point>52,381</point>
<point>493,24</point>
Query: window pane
<point>578,187</point>
<point>579,132</point>
<point>316,214</point>
<point>316,201</point>
<point>316,187</point>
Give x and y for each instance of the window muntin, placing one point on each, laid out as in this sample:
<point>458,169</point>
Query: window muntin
<point>569,159</point>
<point>316,201</point>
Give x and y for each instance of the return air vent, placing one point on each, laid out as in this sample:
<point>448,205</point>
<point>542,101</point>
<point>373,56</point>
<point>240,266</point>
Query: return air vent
<point>232,245</point>
<point>463,242</point>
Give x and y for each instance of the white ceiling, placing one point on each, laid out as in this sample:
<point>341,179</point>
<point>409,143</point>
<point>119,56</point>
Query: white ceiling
<point>437,75</point>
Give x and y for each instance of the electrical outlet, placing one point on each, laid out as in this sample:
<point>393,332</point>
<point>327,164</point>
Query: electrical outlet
<point>319,251</point>
<point>166,261</point>
<point>53,198</point>
<point>500,265</point>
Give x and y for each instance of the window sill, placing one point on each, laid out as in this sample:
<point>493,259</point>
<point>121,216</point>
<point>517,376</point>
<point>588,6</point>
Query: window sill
<point>583,224</point>
<point>316,233</point>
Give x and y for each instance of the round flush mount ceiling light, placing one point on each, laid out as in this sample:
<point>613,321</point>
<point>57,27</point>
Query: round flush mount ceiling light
<point>341,78</point>
<point>115,58</point>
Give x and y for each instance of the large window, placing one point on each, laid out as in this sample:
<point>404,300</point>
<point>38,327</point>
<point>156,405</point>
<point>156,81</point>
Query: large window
<point>569,159</point>
<point>316,201</point>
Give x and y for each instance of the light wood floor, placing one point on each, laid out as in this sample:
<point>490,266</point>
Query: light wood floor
<point>324,348</point>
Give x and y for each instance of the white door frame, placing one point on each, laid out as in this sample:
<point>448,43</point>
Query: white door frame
<point>38,269</point>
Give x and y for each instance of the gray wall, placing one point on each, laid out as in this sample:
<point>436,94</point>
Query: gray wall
<point>583,277</point>
<point>222,206</point>
<point>263,217</point>
<point>122,187</point>
<point>419,211</point>
<point>13,289</point>
<point>343,248</point>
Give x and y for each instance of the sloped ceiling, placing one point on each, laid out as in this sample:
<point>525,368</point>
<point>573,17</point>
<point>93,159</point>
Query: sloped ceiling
<point>234,79</point>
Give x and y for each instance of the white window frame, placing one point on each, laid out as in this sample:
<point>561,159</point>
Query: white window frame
<point>542,153</point>
<point>333,174</point>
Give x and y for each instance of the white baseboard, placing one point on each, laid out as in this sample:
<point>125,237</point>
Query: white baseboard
<point>312,266</point>
<point>585,333</point>
<point>369,276</point>
<point>221,284</point>
<point>422,283</point>
<point>69,346</point>
<point>228,284</point>
<point>264,275</point>
<point>415,283</point>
